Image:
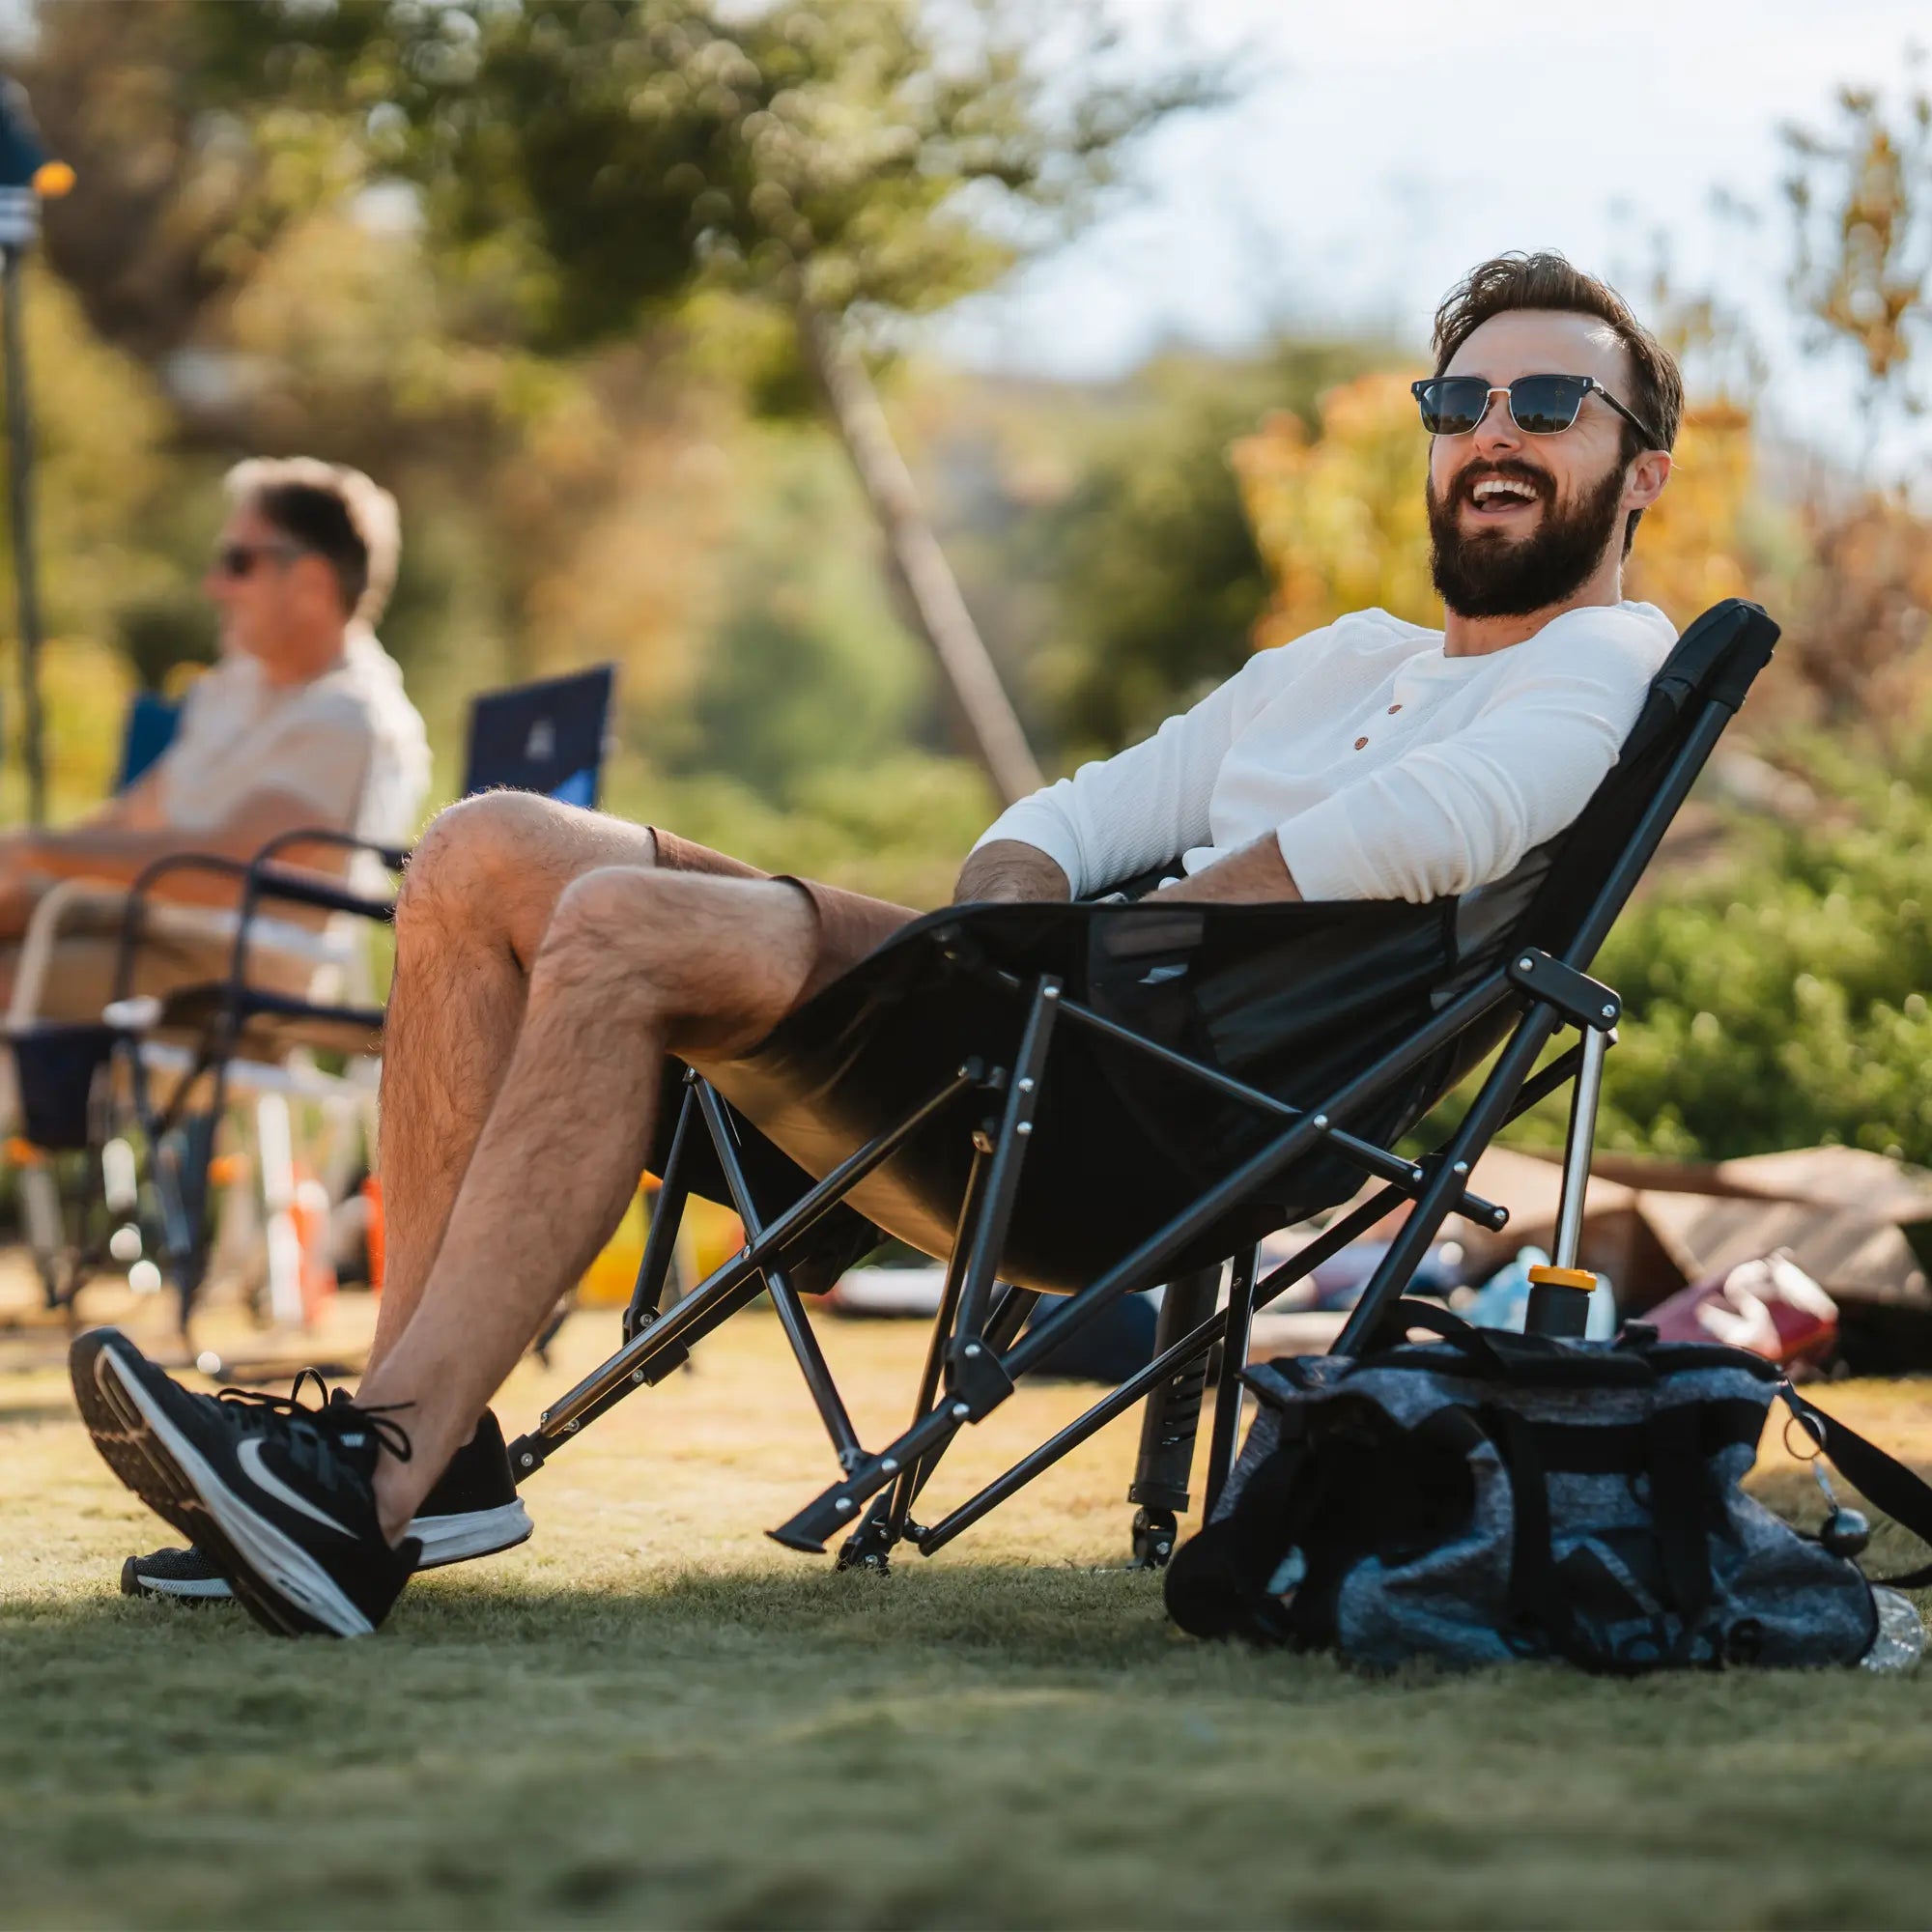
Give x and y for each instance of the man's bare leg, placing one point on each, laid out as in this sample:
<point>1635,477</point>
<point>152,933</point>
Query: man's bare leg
<point>476,902</point>
<point>634,962</point>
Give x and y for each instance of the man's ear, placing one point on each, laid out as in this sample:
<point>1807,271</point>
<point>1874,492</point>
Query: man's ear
<point>1648,475</point>
<point>321,587</point>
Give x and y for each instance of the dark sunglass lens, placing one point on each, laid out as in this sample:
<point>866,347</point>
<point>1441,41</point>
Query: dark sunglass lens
<point>1452,405</point>
<point>1543,404</point>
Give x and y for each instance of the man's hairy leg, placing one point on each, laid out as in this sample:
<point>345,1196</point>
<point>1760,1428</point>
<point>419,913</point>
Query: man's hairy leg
<point>635,963</point>
<point>476,902</point>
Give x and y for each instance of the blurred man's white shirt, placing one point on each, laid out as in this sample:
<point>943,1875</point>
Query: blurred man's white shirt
<point>349,743</point>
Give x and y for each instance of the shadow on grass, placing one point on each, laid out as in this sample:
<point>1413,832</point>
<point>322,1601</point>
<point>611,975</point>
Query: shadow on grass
<point>1108,1618</point>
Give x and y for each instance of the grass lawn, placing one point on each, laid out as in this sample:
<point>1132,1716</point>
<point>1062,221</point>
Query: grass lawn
<point>651,1715</point>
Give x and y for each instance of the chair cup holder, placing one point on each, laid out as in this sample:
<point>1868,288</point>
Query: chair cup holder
<point>56,1064</point>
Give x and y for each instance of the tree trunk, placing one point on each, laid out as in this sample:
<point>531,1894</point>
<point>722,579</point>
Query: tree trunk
<point>998,739</point>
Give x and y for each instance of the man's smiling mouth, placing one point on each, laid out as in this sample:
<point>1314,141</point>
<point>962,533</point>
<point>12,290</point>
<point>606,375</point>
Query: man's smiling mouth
<point>1501,496</point>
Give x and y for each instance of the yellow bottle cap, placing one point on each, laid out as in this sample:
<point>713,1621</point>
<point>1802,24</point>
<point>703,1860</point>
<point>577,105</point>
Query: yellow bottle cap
<point>1558,1277</point>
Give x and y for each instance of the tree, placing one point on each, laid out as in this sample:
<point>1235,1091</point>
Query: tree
<point>588,170</point>
<point>1860,202</point>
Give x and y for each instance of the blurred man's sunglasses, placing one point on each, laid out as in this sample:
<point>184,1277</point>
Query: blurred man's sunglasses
<point>237,561</point>
<point>1538,404</point>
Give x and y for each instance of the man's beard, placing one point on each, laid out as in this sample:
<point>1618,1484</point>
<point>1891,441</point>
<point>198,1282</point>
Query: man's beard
<point>1492,575</point>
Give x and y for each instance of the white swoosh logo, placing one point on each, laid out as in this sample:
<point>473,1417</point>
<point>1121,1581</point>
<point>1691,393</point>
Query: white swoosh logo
<point>250,1457</point>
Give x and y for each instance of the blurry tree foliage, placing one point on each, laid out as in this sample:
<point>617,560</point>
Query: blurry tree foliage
<point>1860,196</point>
<point>584,170</point>
<point>1157,582</point>
<point>591,164</point>
<point>1339,512</point>
<point>107,579</point>
<point>1701,542</point>
<point>1861,200</point>
<point>1781,1000</point>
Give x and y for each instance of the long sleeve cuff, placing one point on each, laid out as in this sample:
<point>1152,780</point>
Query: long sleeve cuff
<point>1029,822</point>
<point>1324,857</point>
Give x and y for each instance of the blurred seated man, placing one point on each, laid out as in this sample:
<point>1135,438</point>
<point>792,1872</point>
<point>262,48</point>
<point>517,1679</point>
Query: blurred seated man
<point>548,960</point>
<point>303,722</point>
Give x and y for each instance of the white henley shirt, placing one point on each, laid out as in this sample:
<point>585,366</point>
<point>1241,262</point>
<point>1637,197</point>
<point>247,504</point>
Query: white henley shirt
<point>1384,769</point>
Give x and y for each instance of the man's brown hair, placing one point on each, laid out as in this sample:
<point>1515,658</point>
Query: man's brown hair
<point>334,512</point>
<point>1548,280</point>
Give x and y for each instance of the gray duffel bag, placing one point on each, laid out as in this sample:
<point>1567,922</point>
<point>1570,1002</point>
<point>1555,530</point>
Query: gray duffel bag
<point>1490,1496</point>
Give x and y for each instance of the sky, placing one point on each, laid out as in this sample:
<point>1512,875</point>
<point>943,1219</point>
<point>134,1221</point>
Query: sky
<point>1382,147</point>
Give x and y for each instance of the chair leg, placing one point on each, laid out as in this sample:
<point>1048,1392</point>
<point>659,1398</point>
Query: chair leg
<point>180,1165</point>
<point>1225,1435</point>
<point>666,1218</point>
<point>275,1153</point>
<point>1170,1423</point>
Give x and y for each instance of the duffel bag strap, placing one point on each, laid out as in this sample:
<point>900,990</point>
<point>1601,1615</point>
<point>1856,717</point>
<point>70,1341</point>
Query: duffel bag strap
<point>1537,1596</point>
<point>1680,1509</point>
<point>1410,1313</point>
<point>1883,1481</point>
<point>1217,1583</point>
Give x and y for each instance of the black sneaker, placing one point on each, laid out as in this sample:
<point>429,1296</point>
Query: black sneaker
<point>279,1498</point>
<point>473,1511</point>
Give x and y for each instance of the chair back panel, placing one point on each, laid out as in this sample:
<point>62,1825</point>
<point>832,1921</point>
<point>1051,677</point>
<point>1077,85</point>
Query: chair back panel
<point>150,729</point>
<point>548,737</point>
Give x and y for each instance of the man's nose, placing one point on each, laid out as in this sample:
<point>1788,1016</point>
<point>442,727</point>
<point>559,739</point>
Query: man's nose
<point>1498,429</point>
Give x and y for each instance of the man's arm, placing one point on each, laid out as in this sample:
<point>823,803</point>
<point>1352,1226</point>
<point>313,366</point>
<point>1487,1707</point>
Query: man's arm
<point>117,854</point>
<point>1007,871</point>
<point>1116,817</point>
<point>1256,874</point>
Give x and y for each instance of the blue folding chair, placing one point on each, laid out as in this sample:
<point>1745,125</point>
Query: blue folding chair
<point>548,737</point>
<point>150,729</point>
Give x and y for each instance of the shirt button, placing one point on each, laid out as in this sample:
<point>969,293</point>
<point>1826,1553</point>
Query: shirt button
<point>1360,743</point>
<point>1393,709</point>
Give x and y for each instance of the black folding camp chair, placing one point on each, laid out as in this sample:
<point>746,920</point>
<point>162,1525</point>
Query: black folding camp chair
<point>171,1060</point>
<point>1087,1100</point>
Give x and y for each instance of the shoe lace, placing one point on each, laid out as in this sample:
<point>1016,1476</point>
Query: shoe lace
<point>311,1431</point>
<point>283,1404</point>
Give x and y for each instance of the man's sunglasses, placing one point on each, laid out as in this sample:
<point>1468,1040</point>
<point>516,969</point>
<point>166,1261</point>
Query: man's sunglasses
<point>236,560</point>
<point>1538,404</point>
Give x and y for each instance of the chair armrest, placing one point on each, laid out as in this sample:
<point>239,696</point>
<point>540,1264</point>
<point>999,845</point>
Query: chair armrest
<point>62,899</point>
<point>265,879</point>
<point>134,925</point>
<point>260,879</point>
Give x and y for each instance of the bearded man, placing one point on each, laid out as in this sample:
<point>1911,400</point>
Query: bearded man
<point>548,959</point>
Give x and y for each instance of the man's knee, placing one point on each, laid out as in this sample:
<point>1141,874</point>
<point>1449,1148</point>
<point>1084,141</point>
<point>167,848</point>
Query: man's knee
<point>607,920</point>
<point>477,860</point>
<point>688,949</point>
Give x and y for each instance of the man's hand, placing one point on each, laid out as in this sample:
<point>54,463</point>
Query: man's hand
<point>1254,875</point>
<point>1007,872</point>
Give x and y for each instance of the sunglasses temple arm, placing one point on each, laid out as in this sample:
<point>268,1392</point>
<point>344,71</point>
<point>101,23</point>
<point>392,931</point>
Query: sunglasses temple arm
<point>1630,416</point>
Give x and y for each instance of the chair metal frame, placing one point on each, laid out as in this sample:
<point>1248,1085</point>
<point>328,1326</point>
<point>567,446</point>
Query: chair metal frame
<point>978,1350</point>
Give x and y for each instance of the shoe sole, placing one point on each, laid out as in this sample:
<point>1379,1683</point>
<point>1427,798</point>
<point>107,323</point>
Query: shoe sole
<point>194,1590</point>
<point>273,1579</point>
<point>444,1539</point>
<point>457,1539</point>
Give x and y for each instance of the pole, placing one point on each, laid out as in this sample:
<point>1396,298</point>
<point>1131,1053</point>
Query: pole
<point>20,521</point>
<point>999,741</point>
